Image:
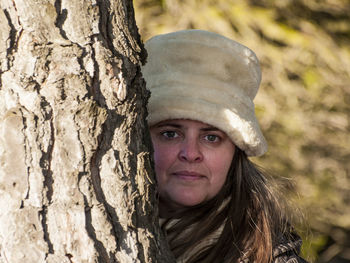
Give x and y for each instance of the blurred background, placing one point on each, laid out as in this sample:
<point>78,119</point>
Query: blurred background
<point>303,105</point>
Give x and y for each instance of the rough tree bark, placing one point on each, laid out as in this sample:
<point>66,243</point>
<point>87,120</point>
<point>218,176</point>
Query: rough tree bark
<point>75,178</point>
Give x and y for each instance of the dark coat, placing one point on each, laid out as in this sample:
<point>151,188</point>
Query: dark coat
<point>288,250</point>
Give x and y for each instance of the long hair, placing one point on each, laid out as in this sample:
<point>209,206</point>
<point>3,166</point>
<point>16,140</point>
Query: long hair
<point>245,213</point>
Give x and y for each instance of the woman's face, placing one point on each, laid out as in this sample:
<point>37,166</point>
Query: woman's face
<point>192,160</point>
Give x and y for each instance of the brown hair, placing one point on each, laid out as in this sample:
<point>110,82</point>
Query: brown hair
<point>245,213</point>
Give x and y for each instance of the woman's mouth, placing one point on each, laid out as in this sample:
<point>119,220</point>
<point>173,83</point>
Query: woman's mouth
<point>188,175</point>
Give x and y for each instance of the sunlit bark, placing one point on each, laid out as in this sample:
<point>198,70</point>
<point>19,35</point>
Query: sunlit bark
<point>76,183</point>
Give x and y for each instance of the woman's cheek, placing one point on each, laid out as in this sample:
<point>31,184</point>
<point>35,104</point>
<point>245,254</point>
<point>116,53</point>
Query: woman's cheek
<point>162,158</point>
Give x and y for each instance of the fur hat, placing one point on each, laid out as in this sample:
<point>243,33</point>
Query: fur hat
<point>199,75</point>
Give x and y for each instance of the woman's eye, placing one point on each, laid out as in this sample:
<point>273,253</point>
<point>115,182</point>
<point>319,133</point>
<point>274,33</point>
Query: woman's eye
<point>212,138</point>
<point>170,134</point>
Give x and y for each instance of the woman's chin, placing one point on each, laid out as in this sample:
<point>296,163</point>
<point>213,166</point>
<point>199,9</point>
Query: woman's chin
<point>185,202</point>
<point>190,203</point>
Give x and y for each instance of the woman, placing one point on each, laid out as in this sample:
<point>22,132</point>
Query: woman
<point>215,205</point>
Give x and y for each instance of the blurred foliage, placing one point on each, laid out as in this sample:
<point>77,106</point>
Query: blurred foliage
<point>304,102</point>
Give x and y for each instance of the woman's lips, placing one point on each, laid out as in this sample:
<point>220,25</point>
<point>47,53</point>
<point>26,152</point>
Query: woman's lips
<point>188,175</point>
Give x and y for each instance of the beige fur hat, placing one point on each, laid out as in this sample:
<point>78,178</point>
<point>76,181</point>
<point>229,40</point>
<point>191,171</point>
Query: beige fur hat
<point>199,75</point>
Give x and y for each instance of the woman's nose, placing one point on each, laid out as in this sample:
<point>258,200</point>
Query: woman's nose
<point>190,151</point>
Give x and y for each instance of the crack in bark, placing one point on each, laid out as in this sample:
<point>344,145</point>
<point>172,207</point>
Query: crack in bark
<point>47,69</point>
<point>69,256</point>
<point>82,146</point>
<point>61,18</point>
<point>105,140</point>
<point>80,58</point>
<point>87,80</point>
<point>45,164</point>
<point>104,6</point>
<point>46,158</point>
<point>26,152</point>
<point>43,214</point>
<point>14,5</point>
<point>95,85</point>
<point>13,39</point>
<point>102,252</point>
<point>12,33</point>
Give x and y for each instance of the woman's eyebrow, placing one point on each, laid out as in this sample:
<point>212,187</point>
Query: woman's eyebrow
<point>210,129</point>
<point>169,125</point>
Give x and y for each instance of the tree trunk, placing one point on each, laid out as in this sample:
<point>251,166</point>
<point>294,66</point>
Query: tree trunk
<point>76,184</point>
